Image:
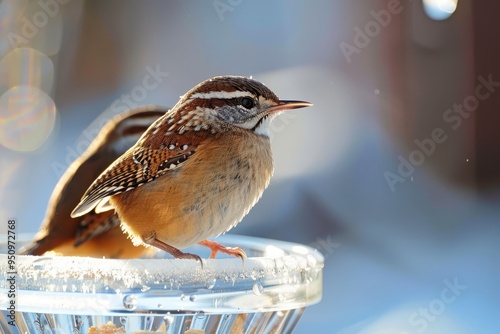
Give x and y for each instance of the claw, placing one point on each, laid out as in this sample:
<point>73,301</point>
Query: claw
<point>216,247</point>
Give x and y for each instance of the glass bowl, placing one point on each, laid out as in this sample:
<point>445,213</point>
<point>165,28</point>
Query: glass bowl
<point>265,293</point>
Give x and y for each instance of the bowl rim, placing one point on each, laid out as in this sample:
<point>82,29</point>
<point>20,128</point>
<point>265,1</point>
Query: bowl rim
<point>284,276</point>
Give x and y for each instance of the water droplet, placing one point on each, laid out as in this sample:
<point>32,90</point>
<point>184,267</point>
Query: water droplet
<point>192,298</point>
<point>160,305</point>
<point>182,297</point>
<point>210,284</point>
<point>200,314</point>
<point>257,289</point>
<point>123,320</point>
<point>130,302</point>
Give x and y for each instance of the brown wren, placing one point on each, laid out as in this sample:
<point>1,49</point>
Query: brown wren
<point>197,170</point>
<point>93,234</point>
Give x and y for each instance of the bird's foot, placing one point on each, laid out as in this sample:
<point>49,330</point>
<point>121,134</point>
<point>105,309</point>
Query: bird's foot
<point>216,247</point>
<point>178,254</point>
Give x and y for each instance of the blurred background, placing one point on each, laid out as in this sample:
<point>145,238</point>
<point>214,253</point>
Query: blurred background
<point>394,174</point>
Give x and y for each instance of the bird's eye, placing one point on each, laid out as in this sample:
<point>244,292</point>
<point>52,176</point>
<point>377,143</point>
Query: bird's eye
<point>247,102</point>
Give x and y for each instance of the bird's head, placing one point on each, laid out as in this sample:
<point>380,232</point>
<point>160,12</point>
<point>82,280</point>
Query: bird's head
<point>233,101</point>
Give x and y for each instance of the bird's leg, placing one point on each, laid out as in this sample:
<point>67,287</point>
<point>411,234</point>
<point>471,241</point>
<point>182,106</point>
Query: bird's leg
<point>216,247</point>
<point>178,254</point>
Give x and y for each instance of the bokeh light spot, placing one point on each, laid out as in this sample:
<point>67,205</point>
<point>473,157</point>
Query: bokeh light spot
<point>27,117</point>
<point>10,13</point>
<point>26,66</point>
<point>440,9</point>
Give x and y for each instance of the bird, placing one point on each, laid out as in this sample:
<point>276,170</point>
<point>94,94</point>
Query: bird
<point>196,171</point>
<point>93,234</point>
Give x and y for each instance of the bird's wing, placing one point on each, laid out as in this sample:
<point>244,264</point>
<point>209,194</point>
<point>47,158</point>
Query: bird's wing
<point>132,170</point>
<point>94,224</point>
<point>153,156</point>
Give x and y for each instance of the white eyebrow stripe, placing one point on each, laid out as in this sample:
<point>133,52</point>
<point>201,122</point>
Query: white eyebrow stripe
<point>220,95</point>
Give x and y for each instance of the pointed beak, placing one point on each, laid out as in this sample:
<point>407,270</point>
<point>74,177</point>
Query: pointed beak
<point>288,105</point>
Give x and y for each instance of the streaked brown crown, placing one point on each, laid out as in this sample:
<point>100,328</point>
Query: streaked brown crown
<point>229,84</point>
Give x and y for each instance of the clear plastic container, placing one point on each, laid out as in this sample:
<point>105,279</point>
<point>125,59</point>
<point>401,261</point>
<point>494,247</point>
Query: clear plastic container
<point>266,293</point>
